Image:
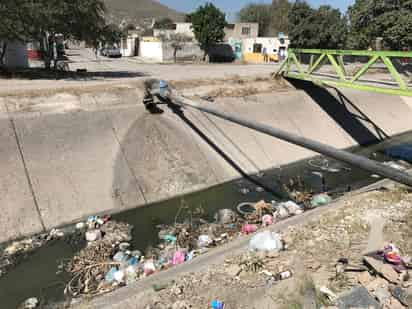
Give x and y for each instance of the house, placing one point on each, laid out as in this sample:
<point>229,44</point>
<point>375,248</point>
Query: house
<point>129,44</point>
<point>240,31</point>
<point>275,47</point>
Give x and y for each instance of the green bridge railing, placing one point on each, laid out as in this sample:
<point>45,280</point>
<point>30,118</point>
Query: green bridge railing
<point>387,72</point>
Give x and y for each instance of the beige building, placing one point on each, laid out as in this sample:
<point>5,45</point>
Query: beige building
<point>240,31</point>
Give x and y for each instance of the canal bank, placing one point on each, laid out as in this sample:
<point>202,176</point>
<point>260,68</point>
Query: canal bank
<point>104,153</point>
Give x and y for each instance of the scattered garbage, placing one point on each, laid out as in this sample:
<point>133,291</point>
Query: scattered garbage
<point>249,229</point>
<point>204,241</point>
<point>320,200</point>
<point>217,304</point>
<point>283,275</point>
<point>267,220</point>
<point>30,303</point>
<point>266,241</point>
<point>225,216</point>
<point>93,235</point>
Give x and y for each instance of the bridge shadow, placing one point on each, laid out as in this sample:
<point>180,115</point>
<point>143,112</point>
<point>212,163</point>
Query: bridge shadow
<point>344,112</point>
<point>180,113</point>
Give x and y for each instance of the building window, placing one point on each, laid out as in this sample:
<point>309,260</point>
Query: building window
<point>245,30</point>
<point>257,48</point>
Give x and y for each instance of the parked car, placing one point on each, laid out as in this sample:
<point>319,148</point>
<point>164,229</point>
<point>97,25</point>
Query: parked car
<point>111,51</point>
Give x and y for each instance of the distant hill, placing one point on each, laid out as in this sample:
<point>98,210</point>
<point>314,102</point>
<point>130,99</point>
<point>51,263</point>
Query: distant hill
<point>135,11</point>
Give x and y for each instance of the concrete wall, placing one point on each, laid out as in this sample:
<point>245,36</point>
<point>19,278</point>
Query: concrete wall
<point>60,165</point>
<point>190,50</point>
<point>151,50</point>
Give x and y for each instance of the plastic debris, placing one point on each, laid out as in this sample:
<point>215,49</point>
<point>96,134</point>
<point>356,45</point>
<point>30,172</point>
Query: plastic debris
<point>267,220</point>
<point>249,228</point>
<point>80,226</point>
<point>320,200</point>
<point>120,257</point>
<point>225,216</point>
<point>178,258</point>
<point>109,277</point>
<point>217,304</point>
<point>266,241</point>
<point>93,235</point>
<point>30,303</point>
<point>124,246</point>
<point>203,241</point>
<point>149,267</point>
<point>119,276</point>
<point>170,239</point>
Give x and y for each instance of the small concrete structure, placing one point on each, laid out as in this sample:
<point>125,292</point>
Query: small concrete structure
<point>129,45</point>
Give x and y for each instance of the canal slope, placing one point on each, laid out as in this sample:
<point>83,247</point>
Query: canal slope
<point>81,154</point>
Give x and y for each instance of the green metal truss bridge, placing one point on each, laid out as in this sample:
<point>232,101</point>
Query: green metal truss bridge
<point>387,72</point>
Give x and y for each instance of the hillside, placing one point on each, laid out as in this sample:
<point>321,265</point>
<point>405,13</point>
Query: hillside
<point>134,11</point>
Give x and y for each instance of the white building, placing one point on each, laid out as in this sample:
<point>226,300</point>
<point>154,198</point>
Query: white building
<point>253,49</point>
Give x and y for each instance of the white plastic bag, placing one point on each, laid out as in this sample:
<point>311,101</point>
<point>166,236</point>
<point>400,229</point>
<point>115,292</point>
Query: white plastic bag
<point>266,241</point>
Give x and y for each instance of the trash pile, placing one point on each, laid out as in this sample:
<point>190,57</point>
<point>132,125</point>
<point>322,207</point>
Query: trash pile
<point>104,263</point>
<point>383,281</point>
<point>16,251</point>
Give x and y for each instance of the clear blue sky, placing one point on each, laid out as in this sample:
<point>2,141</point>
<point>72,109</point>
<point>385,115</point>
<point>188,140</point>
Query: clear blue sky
<point>231,7</point>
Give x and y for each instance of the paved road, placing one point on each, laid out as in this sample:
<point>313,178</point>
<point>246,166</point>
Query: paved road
<point>124,70</point>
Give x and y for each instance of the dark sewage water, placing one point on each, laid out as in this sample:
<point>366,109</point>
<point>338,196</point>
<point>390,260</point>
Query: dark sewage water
<point>36,276</point>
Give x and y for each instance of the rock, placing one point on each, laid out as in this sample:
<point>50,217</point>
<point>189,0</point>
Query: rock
<point>233,270</point>
<point>30,303</point>
<point>402,295</point>
<point>329,294</point>
<point>393,303</point>
<point>365,278</point>
<point>358,297</point>
<point>376,284</point>
<point>384,270</point>
<point>93,235</point>
<point>181,305</point>
<point>382,294</point>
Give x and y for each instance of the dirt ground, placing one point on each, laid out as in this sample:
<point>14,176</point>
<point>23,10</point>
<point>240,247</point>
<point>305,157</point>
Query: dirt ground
<point>368,220</point>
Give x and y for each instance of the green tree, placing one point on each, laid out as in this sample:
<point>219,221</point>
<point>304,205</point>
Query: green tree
<point>257,13</point>
<point>164,23</point>
<point>389,19</point>
<point>208,24</point>
<point>323,28</point>
<point>41,20</point>
<point>279,16</point>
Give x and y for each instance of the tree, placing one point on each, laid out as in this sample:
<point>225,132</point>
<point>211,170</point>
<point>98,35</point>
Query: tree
<point>178,41</point>
<point>279,16</point>
<point>208,24</point>
<point>42,20</point>
<point>389,19</point>
<point>257,13</point>
<point>323,28</point>
<point>164,23</point>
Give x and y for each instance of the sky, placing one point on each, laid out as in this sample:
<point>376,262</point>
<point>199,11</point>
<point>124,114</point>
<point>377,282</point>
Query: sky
<point>231,7</point>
